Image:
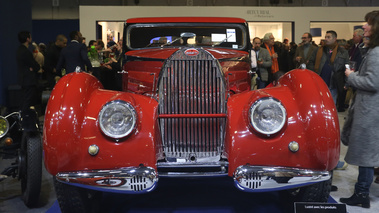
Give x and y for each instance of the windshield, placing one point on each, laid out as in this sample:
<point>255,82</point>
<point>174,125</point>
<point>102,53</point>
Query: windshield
<point>202,35</point>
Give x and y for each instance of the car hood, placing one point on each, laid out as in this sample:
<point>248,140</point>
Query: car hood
<point>163,53</point>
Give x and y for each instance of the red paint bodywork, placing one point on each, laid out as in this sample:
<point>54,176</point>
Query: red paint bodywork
<point>71,126</point>
<point>312,122</point>
<point>71,119</point>
<point>143,73</point>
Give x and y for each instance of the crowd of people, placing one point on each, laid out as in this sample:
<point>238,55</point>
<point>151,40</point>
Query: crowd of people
<point>328,59</point>
<point>41,66</point>
<point>268,57</point>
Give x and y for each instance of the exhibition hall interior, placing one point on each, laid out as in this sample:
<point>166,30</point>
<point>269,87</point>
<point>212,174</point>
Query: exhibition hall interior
<point>217,106</point>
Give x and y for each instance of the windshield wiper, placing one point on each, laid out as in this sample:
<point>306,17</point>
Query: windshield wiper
<point>185,35</point>
<point>225,39</point>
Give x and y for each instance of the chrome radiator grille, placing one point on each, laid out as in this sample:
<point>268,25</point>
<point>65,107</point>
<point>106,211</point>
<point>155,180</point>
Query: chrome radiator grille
<point>192,105</point>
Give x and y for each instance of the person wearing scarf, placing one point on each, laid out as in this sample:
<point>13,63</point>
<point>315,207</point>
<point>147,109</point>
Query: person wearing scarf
<point>268,43</point>
<point>329,62</point>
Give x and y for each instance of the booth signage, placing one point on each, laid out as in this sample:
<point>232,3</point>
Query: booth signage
<point>302,207</point>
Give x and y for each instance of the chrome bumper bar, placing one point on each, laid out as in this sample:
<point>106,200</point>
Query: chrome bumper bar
<point>128,180</point>
<point>192,169</point>
<point>259,178</point>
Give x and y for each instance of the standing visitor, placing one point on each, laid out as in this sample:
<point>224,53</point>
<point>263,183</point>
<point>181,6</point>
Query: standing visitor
<point>27,70</point>
<point>329,62</point>
<point>363,143</point>
<point>51,60</point>
<point>263,63</point>
<point>268,44</point>
<point>74,55</point>
<point>304,51</point>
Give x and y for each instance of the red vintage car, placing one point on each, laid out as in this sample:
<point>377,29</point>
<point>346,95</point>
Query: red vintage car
<point>186,110</point>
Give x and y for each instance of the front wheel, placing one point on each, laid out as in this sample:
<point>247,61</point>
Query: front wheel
<point>75,199</point>
<point>31,168</point>
<point>318,192</point>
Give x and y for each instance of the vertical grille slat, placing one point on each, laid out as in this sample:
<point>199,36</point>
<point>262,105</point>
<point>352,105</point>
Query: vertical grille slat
<point>192,85</point>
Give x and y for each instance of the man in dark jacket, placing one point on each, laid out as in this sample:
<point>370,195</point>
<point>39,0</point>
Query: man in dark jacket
<point>329,62</point>
<point>74,55</point>
<point>51,59</point>
<point>354,52</point>
<point>27,70</point>
<point>304,51</point>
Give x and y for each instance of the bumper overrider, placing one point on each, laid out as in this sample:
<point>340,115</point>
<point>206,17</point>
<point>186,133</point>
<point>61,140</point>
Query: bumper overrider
<point>135,180</point>
<point>263,179</point>
<point>132,180</point>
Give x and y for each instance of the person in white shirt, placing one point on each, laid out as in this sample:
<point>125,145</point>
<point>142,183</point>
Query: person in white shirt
<point>263,62</point>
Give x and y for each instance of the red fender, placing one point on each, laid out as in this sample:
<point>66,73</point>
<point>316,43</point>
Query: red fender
<point>312,121</point>
<point>71,126</point>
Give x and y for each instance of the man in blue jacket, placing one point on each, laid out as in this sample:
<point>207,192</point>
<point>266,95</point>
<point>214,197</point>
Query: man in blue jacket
<point>75,54</point>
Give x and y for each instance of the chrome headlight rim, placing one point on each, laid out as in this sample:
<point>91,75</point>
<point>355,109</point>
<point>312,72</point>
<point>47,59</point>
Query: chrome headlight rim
<point>3,131</point>
<point>117,103</point>
<point>258,103</point>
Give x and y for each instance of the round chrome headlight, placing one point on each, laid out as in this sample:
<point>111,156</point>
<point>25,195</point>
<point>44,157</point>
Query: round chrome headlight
<point>267,116</point>
<point>4,126</point>
<point>117,119</point>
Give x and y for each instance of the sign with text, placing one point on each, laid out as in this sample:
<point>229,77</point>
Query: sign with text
<point>260,13</point>
<point>301,207</point>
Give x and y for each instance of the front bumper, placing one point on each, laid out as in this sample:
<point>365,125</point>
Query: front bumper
<point>136,180</point>
<point>130,180</point>
<point>263,179</point>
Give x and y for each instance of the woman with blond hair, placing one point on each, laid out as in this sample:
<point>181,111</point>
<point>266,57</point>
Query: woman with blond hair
<point>38,56</point>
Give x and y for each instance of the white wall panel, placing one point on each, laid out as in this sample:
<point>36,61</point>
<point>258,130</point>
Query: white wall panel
<point>301,16</point>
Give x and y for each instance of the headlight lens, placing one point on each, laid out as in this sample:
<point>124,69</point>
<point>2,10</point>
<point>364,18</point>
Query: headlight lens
<point>267,116</point>
<point>117,119</point>
<point>4,126</point>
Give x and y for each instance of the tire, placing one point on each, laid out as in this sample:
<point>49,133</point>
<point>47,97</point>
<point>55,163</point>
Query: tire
<point>74,199</point>
<point>318,192</point>
<point>31,176</point>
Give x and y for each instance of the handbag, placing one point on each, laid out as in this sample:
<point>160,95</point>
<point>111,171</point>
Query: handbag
<point>346,129</point>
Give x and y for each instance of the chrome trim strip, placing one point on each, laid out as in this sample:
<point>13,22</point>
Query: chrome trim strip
<point>260,178</point>
<point>193,169</point>
<point>193,174</point>
<point>124,180</point>
<point>192,164</point>
<point>14,113</point>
